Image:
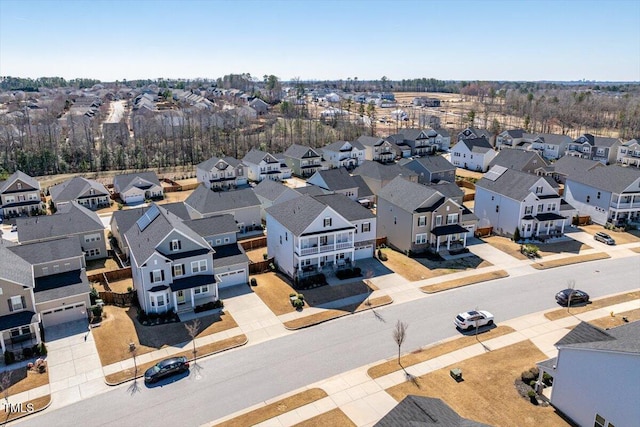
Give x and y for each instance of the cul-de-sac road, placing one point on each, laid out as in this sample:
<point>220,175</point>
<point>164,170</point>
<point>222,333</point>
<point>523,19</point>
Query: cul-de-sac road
<point>239,378</point>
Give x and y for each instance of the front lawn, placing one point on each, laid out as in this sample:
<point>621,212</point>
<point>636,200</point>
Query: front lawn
<point>120,328</point>
<point>512,248</point>
<point>23,379</point>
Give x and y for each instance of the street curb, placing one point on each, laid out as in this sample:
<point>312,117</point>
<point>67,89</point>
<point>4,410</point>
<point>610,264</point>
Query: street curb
<point>30,413</point>
<point>337,317</point>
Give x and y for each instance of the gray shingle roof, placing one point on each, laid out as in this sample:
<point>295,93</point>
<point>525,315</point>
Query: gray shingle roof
<point>514,133</point>
<point>19,175</point>
<point>227,255</point>
<point>63,285</point>
<point>297,151</point>
<point>351,210</point>
<point>71,219</point>
<point>337,179</point>
<point>448,189</point>
<point>569,165</point>
<point>552,138</point>
<point>420,411</point>
<point>611,178</point>
<point>48,251</point>
<point>337,145</point>
<point>517,159</point>
<point>382,172</point>
<point>410,134</point>
<point>213,225</point>
<point>270,189</point>
<point>297,214</point>
<point>624,338</point>
<point>370,141</point>
<point>311,190</point>
<point>513,184</point>
<point>126,181</point>
<point>409,195</point>
<point>432,164</point>
<point>477,145</point>
<point>13,267</point>
<point>213,161</point>
<point>599,141</point>
<point>206,201</point>
<point>75,188</point>
<point>363,189</point>
<point>442,131</point>
<point>255,156</point>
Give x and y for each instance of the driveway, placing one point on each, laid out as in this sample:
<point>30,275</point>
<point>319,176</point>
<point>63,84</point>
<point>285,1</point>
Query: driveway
<point>75,372</point>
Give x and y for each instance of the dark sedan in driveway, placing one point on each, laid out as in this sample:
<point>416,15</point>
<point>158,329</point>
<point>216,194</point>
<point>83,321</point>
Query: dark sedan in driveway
<point>575,296</point>
<point>165,368</point>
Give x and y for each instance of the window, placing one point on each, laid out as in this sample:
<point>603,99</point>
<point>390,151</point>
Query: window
<point>588,198</point>
<point>551,207</point>
<point>197,266</point>
<point>422,221</point>
<point>493,198</point>
<point>19,186</point>
<point>226,240</point>
<point>327,222</point>
<point>201,290</point>
<point>599,422</point>
<point>178,270</point>
<point>528,210</point>
<point>17,303</point>
<point>323,240</point>
<point>395,220</point>
<point>366,227</point>
<point>421,238</point>
<point>56,268</point>
<point>497,208</point>
<point>286,236</point>
<point>91,238</point>
<point>540,208</point>
<point>538,190</point>
<point>452,218</point>
<point>160,299</point>
<point>456,154</point>
<point>598,196</point>
<point>157,276</point>
<point>175,245</point>
<point>438,220</point>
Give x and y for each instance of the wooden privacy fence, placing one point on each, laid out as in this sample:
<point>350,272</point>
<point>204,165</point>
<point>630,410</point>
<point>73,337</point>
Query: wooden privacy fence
<point>114,298</point>
<point>381,241</point>
<point>110,276</point>
<point>260,267</point>
<point>465,184</point>
<point>483,232</point>
<point>257,243</point>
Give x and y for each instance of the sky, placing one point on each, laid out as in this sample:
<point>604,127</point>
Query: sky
<point>523,40</point>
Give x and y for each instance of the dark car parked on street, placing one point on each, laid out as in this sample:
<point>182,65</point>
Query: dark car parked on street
<point>577,296</point>
<point>165,368</point>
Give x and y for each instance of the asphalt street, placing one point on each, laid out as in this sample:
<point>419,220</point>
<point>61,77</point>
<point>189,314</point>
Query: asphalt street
<point>240,378</point>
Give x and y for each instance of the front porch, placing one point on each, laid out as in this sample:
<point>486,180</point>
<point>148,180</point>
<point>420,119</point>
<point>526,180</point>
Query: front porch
<point>451,237</point>
<point>542,226</point>
<point>19,331</point>
<point>182,295</point>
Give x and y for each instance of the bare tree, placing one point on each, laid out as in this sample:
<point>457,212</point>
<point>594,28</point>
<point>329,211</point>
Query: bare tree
<point>134,387</point>
<point>192,329</point>
<point>399,335</point>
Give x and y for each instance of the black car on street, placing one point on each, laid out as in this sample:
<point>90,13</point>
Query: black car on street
<point>577,297</point>
<point>165,368</point>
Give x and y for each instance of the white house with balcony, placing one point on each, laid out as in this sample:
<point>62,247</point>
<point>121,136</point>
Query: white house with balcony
<point>629,153</point>
<point>261,165</point>
<point>344,154</point>
<point>307,236</point>
<point>377,149</point>
<point>221,173</point>
<point>598,148</point>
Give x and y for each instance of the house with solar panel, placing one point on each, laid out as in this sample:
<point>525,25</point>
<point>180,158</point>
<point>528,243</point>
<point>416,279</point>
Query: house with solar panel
<point>507,199</point>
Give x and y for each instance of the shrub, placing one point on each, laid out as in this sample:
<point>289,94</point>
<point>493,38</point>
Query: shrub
<point>120,206</point>
<point>527,376</point>
<point>547,379</point>
<point>96,310</point>
<point>265,256</point>
<point>129,289</point>
<point>532,383</point>
<point>516,235</point>
<point>535,371</point>
<point>381,255</point>
<point>531,394</point>
<point>9,357</point>
<point>291,295</point>
<point>301,297</point>
<point>93,295</point>
<point>298,303</point>
<point>43,349</point>
<point>27,352</point>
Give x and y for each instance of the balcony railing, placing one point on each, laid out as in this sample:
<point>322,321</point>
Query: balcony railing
<point>308,251</point>
<point>634,205</point>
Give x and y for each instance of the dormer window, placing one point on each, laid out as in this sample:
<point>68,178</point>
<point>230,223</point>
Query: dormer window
<point>176,245</point>
<point>327,222</point>
<point>19,185</point>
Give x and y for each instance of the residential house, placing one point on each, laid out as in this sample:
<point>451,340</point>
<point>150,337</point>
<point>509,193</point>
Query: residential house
<point>20,195</point>
<point>341,182</point>
<point>377,149</point>
<point>242,204</point>
<point>550,145</point>
<point>431,169</point>
<point>475,133</point>
<point>263,165</point>
<point>440,138</point>
<point>424,411</point>
<point>344,154</point>
<point>609,394</point>
<point>606,194</point>
<point>473,154</point>
<point>422,101</point>
<point>512,138</point>
<point>230,262</point>
<point>137,187</point>
<point>414,142</point>
<point>567,166</point>
<point>306,236</point>
<point>87,192</point>
<point>171,265</point>
<point>601,149</point>
<point>123,220</point>
<point>271,193</point>
<point>71,219</point>
<point>417,218</point>
<point>222,173</point>
<point>53,276</point>
<point>629,153</point>
<point>507,199</point>
<point>259,105</point>
<point>449,190</point>
<point>364,239</point>
<point>284,167</point>
<point>303,161</point>
<point>523,161</point>
<point>377,175</point>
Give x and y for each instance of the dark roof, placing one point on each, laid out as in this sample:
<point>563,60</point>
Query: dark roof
<point>517,159</point>
<point>13,268</point>
<point>569,165</point>
<point>431,164</point>
<point>255,156</point>
<point>297,151</point>
<point>411,134</point>
<point>382,172</point>
<point>611,178</point>
<point>416,411</point>
<point>514,133</point>
<point>48,251</point>
<point>206,201</point>
<point>125,181</point>
<point>446,230</point>
<point>230,254</point>
<point>213,161</point>
<point>409,196</point>
<point>548,216</point>
<point>15,320</point>
<point>337,179</point>
<point>297,214</point>
<point>477,145</point>
<point>63,285</point>
<point>349,209</point>
<point>270,189</point>
<point>71,218</point>
<point>19,175</point>
<point>624,338</point>
<point>363,189</point>
<point>192,282</point>
<point>127,217</point>
<point>212,225</point>
<point>448,189</point>
<point>512,183</point>
<point>75,188</point>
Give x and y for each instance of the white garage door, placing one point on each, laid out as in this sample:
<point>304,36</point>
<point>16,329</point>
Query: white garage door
<point>471,229</point>
<point>364,252</point>
<point>134,198</point>
<point>231,278</point>
<point>67,313</point>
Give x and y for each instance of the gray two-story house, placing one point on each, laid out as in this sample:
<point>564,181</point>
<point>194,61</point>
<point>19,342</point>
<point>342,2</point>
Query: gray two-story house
<point>431,169</point>
<point>598,148</point>
<point>20,195</point>
<point>87,192</point>
<point>222,173</point>
<point>377,149</point>
<point>303,161</point>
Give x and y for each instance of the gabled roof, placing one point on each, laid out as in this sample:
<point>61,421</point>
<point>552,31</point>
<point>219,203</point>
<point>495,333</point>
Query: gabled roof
<point>514,133</point>
<point>75,188</point>
<point>432,164</point>
<point>598,141</point>
<point>511,183</point>
<point>624,338</point>
<point>569,165</point>
<point>337,146</point>
<point>49,250</point>
<point>552,138</point>
<point>479,133</point>
<point>213,225</point>
<point>610,178</point>
<point>127,217</point>
<point>297,214</point>
<point>20,176</point>
<point>370,141</point>
<point>517,159</point>
<point>13,268</point>
<point>227,255</point>
<point>62,285</point>
<point>337,179</point>
<point>206,201</point>
<point>126,181</point>
<point>442,131</point>
<point>411,134</point>
<point>409,196</point>
<point>363,189</point>
<point>71,218</point>
<point>420,411</point>
<point>209,164</point>
<point>448,189</point>
<point>379,171</point>
<point>297,151</point>
<point>270,189</point>
<point>255,156</point>
<point>311,190</point>
<point>349,209</point>
<point>631,142</point>
<point>477,145</point>
<point>143,242</point>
